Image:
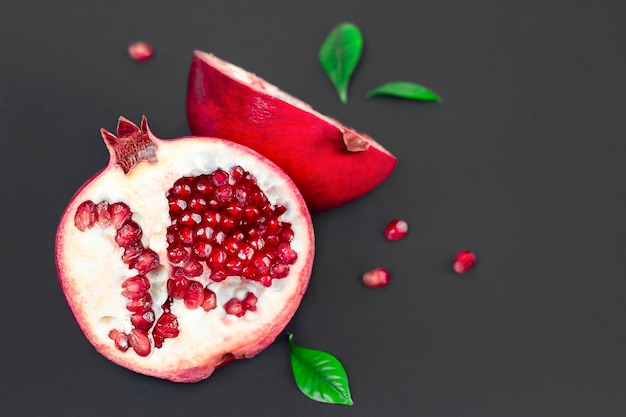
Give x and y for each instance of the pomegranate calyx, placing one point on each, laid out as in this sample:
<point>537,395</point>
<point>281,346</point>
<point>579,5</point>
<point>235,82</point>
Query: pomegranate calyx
<point>132,145</point>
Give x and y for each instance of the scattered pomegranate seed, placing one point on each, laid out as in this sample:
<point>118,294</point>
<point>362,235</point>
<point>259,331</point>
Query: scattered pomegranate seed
<point>140,51</point>
<point>464,261</point>
<point>376,278</point>
<point>396,229</point>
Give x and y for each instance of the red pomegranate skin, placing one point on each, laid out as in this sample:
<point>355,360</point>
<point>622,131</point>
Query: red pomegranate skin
<point>331,164</point>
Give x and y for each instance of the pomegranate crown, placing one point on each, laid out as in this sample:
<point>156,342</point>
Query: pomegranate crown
<point>132,145</point>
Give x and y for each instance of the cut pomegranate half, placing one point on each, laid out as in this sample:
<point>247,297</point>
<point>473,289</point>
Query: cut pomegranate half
<point>182,255</point>
<point>330,163</point>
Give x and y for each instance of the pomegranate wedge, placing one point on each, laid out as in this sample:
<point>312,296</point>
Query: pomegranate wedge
<point>182,255</point>
<point>331,164</point>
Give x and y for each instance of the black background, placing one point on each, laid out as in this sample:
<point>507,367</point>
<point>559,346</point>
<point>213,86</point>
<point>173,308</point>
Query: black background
<point>522,162</point>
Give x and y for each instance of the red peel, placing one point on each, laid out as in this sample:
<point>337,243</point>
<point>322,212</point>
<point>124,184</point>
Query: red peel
<point>330,163</point>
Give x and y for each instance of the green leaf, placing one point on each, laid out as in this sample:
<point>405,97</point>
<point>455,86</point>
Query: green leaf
<point>339,55</point>
<point>407,90</point>
<point>319,375</point>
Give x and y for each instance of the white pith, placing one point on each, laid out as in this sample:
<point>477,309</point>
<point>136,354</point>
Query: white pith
<point>91,269</point>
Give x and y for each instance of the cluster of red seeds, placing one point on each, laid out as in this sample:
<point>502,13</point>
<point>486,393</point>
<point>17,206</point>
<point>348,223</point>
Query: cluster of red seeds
<point>224,224</point>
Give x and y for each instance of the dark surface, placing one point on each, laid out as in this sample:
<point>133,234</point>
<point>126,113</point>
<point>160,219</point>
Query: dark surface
<point>523,163</point>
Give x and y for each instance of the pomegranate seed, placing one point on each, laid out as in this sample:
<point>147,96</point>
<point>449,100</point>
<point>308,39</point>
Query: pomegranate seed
<point>103,214</point>
<point>141,304</point>
<point>189,218</point>
<point>219,238</point>
<point>147,261</point>
<point>257,243</point>
<point>219,177</point>
<point>193,268</point>
<point>85,216</point>
<point>131,252</point>
<point>201,249</point>
<point>272,226</point>
<point>136,284</point>
<point>140,51</point>
<point>242,194</point>
<point>120,339</point>
<point>223,194</point>
<point>198,204</point>
<point>376,278</point>
<point>280,210</point>
<point>266,280</point>
<point>177,206</point>
<point>286,254</point>
<point>272,240</point>
<point>261,264</point>
<point>177,254</point>
<point>182,187</point>
<point>246,252</point>
<point>258,198</point>
<point>286,235</point>
<point>396,229</point>
<point>212,218</point>
<point>464,261</point>
<point>235,307</point>
<point>204,185</point>
<point>204,232</point>
<point>234,211</point>
<point>237,173</point>
<point>231,245</point>
<point>216,258</point>
<point>238,235</point>
<point>228,224</point>
<point>158,340</point>
<point>120,212</point>
<point>171,236</point>
<point>139,341</point>
<point>251,214</point>
<point>248,272</point>
<point>194,296</point>
<point>143,321</point>
<point>185,234</point>
<point>166,326</point>
<point>218,276</point>
<point>233,266</point>
<point>279,270</point>
<point>210,300</point>
<point>177,288</point>
<point>250,301</point>
<point>128,233</point>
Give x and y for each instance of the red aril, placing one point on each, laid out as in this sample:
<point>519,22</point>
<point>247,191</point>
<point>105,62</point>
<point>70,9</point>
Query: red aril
<point>151,252</point>
<point>464,261</point>
<point>396,229</point>
<point>330,163</point>
<point>376,278</point>
<point>140,51</point>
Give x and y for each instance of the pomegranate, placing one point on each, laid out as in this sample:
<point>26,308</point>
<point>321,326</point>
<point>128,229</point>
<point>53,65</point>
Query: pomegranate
<point>331,164</point>
<point>182,255</point>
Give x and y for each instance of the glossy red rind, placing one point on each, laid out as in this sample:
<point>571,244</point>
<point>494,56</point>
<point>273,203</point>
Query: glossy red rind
<point>309,147</point>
